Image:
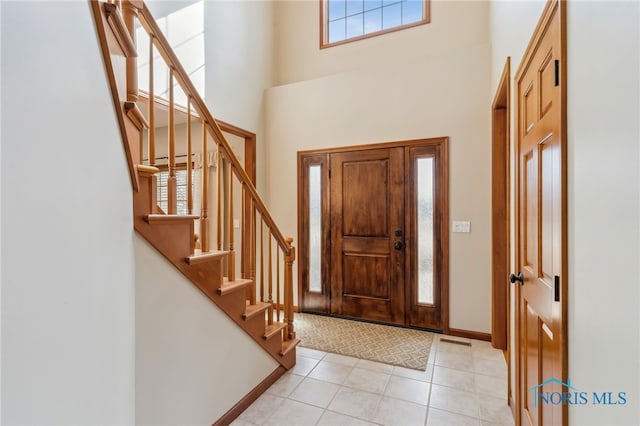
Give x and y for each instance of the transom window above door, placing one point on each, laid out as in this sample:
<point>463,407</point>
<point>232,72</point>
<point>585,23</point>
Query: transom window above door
<point>350,20</point>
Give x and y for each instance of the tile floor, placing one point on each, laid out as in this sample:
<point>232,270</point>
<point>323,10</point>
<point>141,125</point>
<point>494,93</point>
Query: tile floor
<point>462,385</point>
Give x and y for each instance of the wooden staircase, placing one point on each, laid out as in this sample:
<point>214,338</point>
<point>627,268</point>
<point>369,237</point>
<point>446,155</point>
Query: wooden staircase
<point>249,299</point>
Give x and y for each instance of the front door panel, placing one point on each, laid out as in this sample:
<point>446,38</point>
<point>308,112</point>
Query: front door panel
<point>367,208</point>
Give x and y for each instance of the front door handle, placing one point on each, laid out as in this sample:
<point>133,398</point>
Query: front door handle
<point>513,278</point>
<point>398,245</point>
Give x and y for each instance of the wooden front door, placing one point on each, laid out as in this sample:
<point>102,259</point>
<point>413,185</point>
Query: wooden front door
<point>367,234</point>
<point>541,220</point>
<point>373,229</point>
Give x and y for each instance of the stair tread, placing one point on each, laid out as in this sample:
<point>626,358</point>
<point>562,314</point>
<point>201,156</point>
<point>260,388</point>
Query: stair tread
<point>254,310</point>
<point>231,286</point>
<point>288,346</point>
<point>163,218</point>
<point>273,329</point>
<point>205,257</point>
<point>143,168</point>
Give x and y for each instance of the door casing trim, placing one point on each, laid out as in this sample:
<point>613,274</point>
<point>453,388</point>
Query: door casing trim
<point>442,141</point>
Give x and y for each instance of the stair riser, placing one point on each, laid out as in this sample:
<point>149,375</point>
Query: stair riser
<point>232,304</point>
<point>274,343</point>
<point>256,326</point>
<point>208,277</point>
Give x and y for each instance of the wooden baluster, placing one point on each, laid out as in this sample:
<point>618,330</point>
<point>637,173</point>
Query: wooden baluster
<point>204,209</point>
<point>219,197</point>
<point>243,242</point>
<point>288,288</point>
<point>189,165</point>
<point>129,14</point>
<point>262,259</point>
<point>278,283</point>
<point>270,278</point>
<point>252,249</point>
<point>232,256</point>
<point>151,148</point>
<point>171,180</point>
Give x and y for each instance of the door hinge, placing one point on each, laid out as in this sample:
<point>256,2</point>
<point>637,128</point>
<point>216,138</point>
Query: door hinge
<point>556,288</point>
<point>556,65</point>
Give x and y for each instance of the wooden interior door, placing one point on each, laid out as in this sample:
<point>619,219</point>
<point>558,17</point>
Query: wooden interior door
<point>367,234</point>
<point>541,220</point>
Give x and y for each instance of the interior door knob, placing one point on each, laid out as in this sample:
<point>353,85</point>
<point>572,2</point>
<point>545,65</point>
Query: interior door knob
<point>513,278</point>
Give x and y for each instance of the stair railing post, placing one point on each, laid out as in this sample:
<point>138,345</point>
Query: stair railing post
<point>288,288</point>
<point>171,151</point>
<point>130,14</point>
<point>252,250</point>
<point>231,257</point>
<point>189,163</point>
<point>151,144</point>
<point>204,200</point>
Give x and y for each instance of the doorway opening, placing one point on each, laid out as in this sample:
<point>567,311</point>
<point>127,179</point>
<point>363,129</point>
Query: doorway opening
<point>373,231</point>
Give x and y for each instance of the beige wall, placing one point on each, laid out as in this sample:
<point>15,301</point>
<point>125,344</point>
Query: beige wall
<point>434,82</point>
<point>454,25</point>
<point>603,191</point>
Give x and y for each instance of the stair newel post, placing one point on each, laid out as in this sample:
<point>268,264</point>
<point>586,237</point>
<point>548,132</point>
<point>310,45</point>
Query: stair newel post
<point>270,278</point>
<point>288,288</point>
<point>171,180</point>
<point>204,203</point>
<point>189,162</point>
<point>129,14</point>
<point>232,255</point>
<point>151,145</point>
<point>262,259</point>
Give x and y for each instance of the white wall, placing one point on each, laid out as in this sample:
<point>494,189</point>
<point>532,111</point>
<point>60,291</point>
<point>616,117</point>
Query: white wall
<point>67,276</point>
<point>603,193</point>
<point>430,87</point>
<point>239,61</point>
<point>603,45</point>
<point>240,57</point>
<point>193,363</point>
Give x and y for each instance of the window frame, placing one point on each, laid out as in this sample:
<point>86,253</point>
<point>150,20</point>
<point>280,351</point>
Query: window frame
<point>324,40</point>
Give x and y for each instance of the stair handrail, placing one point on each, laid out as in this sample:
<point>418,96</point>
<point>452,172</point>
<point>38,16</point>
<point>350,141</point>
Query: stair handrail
<point>148,22</point>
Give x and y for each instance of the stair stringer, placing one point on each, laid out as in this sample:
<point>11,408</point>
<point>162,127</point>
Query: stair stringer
<point>174,241</point>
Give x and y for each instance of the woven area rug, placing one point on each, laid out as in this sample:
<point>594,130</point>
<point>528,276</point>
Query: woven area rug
<point>391,345</point>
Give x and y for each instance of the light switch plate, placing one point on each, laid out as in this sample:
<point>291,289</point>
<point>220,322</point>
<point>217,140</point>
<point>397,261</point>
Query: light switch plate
<point>461,226</point>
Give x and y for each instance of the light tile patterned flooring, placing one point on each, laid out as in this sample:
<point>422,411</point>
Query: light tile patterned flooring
<point>462,385</point>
